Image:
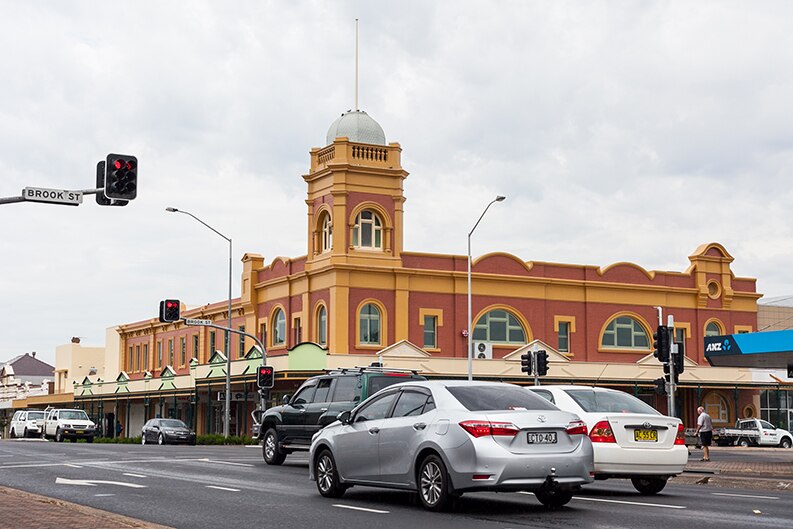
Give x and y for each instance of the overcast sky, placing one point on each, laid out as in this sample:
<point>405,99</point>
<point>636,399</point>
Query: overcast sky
<point>619,131</point>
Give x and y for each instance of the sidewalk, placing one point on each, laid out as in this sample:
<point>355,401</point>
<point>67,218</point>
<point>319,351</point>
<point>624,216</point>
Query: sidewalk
<point>22,510</point>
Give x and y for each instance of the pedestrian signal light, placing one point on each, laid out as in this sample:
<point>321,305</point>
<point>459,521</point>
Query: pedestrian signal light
<point>266,378</point>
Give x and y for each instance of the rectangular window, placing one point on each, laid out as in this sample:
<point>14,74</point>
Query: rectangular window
<point>159,355</point>
<point>298,331</point>
<point>263,332</point>
<point>564,336</point>
<point>137,357</point>
<point>129,359</point>
<point>195,346</point>
<point>182,350</point>
<point>241,348</point>
<point>211,343</point>
<point>431,332</point>
<point>170,352</point>
<point>145,357</point>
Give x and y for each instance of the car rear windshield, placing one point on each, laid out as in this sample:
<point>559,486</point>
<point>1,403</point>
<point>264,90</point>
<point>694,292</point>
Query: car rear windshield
<point>609,402</point>
<point>73,414</point>
<point>487,398</point>
<point>378,382</point>
<point>32,415</point>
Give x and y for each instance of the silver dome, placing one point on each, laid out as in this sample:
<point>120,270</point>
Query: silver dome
<point>358,127</point>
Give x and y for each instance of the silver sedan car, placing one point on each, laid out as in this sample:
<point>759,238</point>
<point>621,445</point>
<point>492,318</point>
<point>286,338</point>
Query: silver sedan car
<point>442,438</point>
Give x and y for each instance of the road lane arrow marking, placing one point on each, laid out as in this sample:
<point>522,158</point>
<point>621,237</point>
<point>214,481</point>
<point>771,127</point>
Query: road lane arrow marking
<point>95,482</point>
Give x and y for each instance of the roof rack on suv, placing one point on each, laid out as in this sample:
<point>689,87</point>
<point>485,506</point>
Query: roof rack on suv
<point>370,369</point>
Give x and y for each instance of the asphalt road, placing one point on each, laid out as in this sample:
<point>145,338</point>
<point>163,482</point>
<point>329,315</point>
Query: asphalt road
<point>221,486</point>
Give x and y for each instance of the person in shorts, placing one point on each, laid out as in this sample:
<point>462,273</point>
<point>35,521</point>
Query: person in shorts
<point>705,432</point>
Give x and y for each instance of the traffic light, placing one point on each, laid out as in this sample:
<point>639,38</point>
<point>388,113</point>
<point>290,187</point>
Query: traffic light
<point>101,199</point>
<point>170,310</point>
<point>542,363</point>
<point>666,374</point>
<point>266,377</point>
<point>661,344</point>
<point>525,363</point>
<point>660,386</point>
<point>121,177</point>
<point>679,358</point>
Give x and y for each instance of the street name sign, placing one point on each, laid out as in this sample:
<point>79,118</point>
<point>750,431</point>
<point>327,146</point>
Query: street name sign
<point>193,321</point>
<point>52,196</point>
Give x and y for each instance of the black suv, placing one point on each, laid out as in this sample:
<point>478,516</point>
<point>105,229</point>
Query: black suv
<point>290,427</point>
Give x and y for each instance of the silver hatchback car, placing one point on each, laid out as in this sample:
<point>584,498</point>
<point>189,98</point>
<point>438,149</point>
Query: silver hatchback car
<point>442,438</point>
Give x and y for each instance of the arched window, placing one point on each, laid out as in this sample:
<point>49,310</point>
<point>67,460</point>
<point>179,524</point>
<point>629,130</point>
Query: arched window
<point>322,325</point>
<point>369,325</point>
<point>716,406</point>
<point>499,326</point>
<point>624,332</point>
<point>713,329</point>
<point>327,233</point>
<point>368,230</point>
<point>279,328</point>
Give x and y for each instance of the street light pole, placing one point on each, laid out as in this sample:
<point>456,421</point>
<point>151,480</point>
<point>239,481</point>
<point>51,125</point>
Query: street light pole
<point>499,198</point>
<point>227,409</point>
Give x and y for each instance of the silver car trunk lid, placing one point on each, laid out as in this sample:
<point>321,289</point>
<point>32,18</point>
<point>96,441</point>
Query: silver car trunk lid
<point>543,431</point>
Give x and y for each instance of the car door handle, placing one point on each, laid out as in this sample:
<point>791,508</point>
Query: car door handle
<point>373,430</point>
<point>323,409</point>
<point>419,426</point>
<point>302,410</point>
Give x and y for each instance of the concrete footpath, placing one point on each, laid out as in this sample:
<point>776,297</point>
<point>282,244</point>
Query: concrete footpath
<point>22,510</point>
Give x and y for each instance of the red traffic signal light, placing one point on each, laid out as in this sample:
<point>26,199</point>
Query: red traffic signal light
<point>266,378</point>
<point>170,310</point>
<point>121,177</point>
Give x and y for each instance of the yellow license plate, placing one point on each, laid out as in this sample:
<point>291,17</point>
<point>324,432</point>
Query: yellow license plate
<point>650,436</point>
<point>80,431</point>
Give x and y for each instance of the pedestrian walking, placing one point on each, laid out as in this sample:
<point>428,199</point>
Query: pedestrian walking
<point>705,432</point>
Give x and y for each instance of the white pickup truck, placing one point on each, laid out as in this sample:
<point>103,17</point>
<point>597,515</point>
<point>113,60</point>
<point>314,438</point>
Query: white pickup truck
<point>69,424</point>
<point>753,432</point>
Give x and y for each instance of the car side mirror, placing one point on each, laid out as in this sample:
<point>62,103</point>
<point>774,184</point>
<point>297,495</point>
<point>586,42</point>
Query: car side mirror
<point>344,417</point>
<point>285,400</point>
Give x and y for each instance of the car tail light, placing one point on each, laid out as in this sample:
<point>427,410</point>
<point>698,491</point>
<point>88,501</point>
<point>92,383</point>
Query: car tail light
<point>483,428</point>
<point>680,439</point>
<point>602,433</point>
<point>576,428</point>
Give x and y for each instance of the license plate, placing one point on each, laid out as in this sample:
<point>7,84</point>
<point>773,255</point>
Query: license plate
<point>541,438</point>
<point>80,431</point>
<point>650,436</point>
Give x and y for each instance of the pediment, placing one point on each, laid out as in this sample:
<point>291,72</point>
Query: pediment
<point>167,372</point>
<point>122,377</point>
<point>217,358</point>
<point>553,354</point>
<point>404,348</point>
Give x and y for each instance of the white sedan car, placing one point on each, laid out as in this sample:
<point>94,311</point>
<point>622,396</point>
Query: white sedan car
<point>629,437</point>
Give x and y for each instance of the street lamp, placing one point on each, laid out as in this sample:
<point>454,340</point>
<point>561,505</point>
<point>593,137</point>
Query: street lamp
<point>227,409</point>
<point>498,198</point>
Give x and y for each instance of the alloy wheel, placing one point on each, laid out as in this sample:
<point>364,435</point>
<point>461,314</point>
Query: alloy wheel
<point>325,473</point>
<point>431,483</point>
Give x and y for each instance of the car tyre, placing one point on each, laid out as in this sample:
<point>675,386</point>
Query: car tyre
<point>328,483</point>
<point>433,484</point>
<point>12,433</point>
<point>25,434</point>
<point>270,451</point>
<point>58,435</point>
<point>785,443</point>
<point>161,439</point>
<point>143,438</point>
<point>554,499</point>
<point>649,486</point>
<point>743,442</point>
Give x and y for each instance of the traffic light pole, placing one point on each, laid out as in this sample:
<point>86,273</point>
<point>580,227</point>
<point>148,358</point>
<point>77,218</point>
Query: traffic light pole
<point>672,353</point>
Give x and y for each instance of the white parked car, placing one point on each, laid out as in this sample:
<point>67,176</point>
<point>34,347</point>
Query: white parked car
<point>630,438</point>
<point>24,423</point>
<point>69,424</point>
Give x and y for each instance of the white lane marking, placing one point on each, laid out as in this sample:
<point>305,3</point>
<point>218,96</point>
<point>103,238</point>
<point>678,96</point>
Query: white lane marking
<point>103,495</point>
<point>225,462</point>
<point>71,465</point>
<point>661,505</point>
<point>745,496</point>
<point>133,475</point>
<point>353,508</point>
<point>222,488</point>
<point>95,482</point>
